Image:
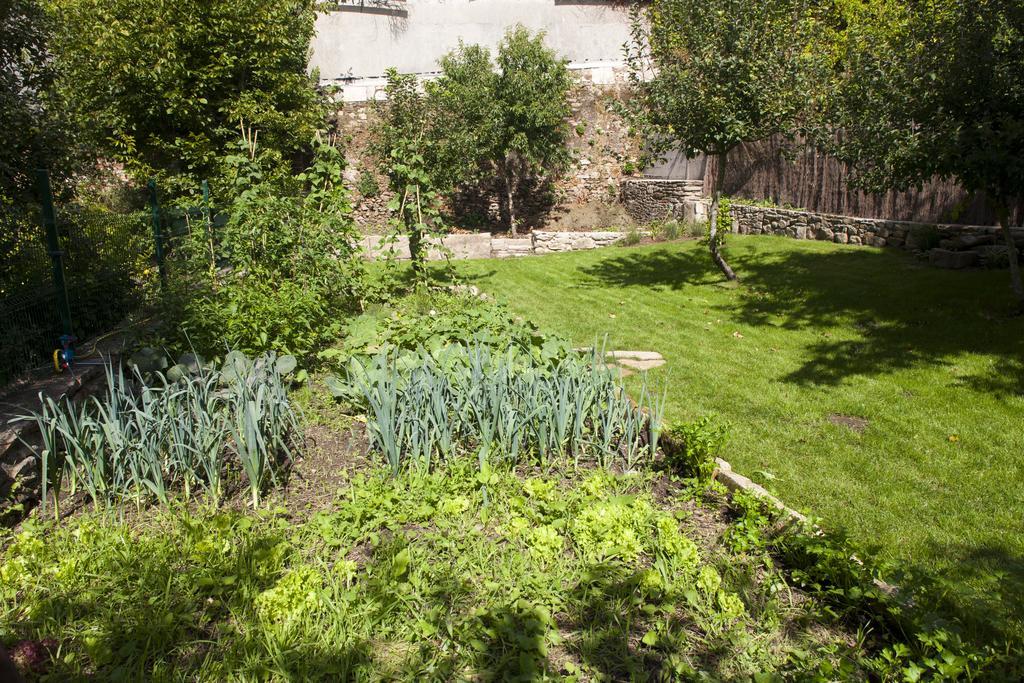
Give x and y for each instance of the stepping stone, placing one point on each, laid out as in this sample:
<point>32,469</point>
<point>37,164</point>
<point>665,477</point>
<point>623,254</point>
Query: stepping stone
<point>635,355</point>
<point>642,364</point>
<point>620,371</point>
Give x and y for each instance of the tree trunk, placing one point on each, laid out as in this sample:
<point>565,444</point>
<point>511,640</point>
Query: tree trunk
<point>416,255</point>
<point>1011,252</point>
<point>716,198</point>
<point>511,185</point>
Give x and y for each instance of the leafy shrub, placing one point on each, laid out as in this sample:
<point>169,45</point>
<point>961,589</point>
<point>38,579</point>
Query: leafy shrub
<point>433,320</point>
<point>723,221</point>
<point>691,448</point>
<point>632,238</point>
<point>666,229</point>
<point>696,229</point>
<point>282,273</point>
<point>367,186</point>
<point>162,89</point>
<point>150,432</point>
<point>673,229</point>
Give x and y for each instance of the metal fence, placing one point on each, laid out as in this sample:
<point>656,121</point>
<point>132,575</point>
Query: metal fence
<point>73,270</point>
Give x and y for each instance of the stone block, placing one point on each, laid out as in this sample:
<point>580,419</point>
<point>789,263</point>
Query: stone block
<point>606,236</point>
<point>504,248</point>
<point>470,246</point>
<point>992,255</point>
<point>377,248</point>
<point>954,260</point>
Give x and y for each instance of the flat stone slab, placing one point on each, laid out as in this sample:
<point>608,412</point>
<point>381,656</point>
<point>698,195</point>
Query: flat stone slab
<point>641,364</point>
<point>619,370</point>
<point>637,360</point>
<point>635,355</point>
<point>953,260</point>
<point>504,247</point>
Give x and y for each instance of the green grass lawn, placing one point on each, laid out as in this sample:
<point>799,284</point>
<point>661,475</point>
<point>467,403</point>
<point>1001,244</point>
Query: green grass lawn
<point>928,358</point>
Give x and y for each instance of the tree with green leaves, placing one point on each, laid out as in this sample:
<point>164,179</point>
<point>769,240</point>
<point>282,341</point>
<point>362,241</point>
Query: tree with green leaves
<point>29,136</point>
<point>406,146</point>
<point>709,75</point>
<point>464,116</point>
<point>162,85</point>
<point>531,99</point>
<point>506,119</point>
<point>479,119</point>
<point>934,89</point>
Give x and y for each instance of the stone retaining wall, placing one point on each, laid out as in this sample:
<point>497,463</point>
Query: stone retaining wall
<point>651,199</point>
<point>760,220</point>
<point>585,196</point>
<point>476,246</point>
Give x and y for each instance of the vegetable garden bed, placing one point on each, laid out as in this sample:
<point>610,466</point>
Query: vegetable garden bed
<point>480,502</point>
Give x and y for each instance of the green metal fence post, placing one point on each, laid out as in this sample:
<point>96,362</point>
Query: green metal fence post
<point>49,216</point>
<point>158,238</point>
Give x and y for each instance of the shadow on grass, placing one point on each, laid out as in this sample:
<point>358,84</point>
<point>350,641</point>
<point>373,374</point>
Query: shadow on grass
<point>904,315</point>
<point>661,269</point>
<point>988,586</point>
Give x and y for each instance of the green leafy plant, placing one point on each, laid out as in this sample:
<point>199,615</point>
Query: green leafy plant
<point>434,319</point>
<point>506,119</point>
<point>723,223</point>
<point>691,448</point>
<point>279,272</point>
<point>406,149</point>
<point>367,185</point>
<point>632,238</point>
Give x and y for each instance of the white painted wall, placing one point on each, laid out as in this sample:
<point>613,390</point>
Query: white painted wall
<point>356,43</point>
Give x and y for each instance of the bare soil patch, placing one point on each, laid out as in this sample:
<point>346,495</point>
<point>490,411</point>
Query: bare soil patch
<point>856,424</point>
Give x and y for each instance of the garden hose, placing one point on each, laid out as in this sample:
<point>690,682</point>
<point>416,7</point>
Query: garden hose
<point>65,357</point>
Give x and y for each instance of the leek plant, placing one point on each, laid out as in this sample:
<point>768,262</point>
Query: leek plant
<point>147,436</point>
<point>505,406</point>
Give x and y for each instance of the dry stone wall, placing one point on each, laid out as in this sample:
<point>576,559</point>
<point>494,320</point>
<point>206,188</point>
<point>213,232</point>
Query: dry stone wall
<point>945,243</point>
<point>585,197</point>
<point>476,246</point>
<point>652,199</point>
